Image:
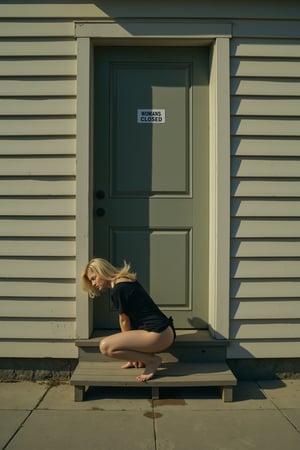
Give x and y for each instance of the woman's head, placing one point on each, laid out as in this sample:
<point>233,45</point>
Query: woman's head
<point>100,274</point>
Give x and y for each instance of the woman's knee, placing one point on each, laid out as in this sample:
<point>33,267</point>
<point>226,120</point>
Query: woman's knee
<point>105,348</point>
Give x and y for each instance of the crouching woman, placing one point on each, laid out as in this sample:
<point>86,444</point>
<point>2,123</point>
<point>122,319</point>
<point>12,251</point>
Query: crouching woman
<point>145,329</point>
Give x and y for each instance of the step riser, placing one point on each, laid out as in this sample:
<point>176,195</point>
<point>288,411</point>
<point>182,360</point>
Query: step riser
<point>192,354</point>
<point>91,354</point>
<point>176,353</point>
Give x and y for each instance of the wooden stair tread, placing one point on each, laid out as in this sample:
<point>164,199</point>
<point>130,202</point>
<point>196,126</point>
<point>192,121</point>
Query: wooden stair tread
<point>169,374</point>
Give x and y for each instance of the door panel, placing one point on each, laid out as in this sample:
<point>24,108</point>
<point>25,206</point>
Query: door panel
<point>154,174</point>
<point>169,281</point>
<point>152,146</point>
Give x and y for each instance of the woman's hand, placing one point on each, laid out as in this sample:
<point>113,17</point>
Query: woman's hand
<point>133,365</point>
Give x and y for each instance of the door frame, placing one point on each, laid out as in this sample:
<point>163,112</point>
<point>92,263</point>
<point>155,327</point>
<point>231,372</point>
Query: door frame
<point>158,33</point>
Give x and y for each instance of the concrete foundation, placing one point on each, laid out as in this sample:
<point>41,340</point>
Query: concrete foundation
<point>35,369</point>
<point>265,369</point>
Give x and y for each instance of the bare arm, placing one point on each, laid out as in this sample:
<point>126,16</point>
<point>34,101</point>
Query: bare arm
<point>124,322</point>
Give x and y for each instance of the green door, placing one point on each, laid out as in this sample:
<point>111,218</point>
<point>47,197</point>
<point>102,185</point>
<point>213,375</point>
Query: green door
<point>151,175</point>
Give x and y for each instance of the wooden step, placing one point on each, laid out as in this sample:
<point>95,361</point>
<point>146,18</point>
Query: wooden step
<point>178,374</point>
<point>194,346</point>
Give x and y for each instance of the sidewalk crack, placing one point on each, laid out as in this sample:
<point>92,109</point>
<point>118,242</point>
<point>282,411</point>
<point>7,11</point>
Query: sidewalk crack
<point>26,418</point>
<point>154,425</point>
<point>280,411</point>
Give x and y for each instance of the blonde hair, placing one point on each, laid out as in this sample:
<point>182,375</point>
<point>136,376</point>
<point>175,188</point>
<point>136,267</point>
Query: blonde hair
<point>107,271</point>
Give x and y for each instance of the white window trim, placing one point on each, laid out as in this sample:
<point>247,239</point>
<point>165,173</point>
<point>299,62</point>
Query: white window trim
<point>162,32</point>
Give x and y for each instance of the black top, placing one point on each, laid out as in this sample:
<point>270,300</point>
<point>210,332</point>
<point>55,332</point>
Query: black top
<point>130,298</point>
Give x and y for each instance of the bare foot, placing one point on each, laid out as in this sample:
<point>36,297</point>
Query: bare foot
<point>150,370</point>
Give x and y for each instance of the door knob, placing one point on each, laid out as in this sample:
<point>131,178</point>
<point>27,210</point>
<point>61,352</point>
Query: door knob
<point>100,212</point>
<point>100,195</point>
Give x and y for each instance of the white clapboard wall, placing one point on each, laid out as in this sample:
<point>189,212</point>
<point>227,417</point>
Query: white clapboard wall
<point>38,88</point>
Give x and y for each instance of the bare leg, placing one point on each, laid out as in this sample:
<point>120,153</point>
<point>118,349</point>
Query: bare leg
<point>138,345</point>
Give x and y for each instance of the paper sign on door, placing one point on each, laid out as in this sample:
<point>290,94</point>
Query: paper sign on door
<point>151,116</point>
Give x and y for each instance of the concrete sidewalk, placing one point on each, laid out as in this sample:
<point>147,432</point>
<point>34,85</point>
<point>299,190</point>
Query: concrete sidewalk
<point>264,415</point>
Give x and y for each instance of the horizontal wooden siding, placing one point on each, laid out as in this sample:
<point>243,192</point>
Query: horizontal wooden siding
<point>265,203</point>
<point>37,188</point>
